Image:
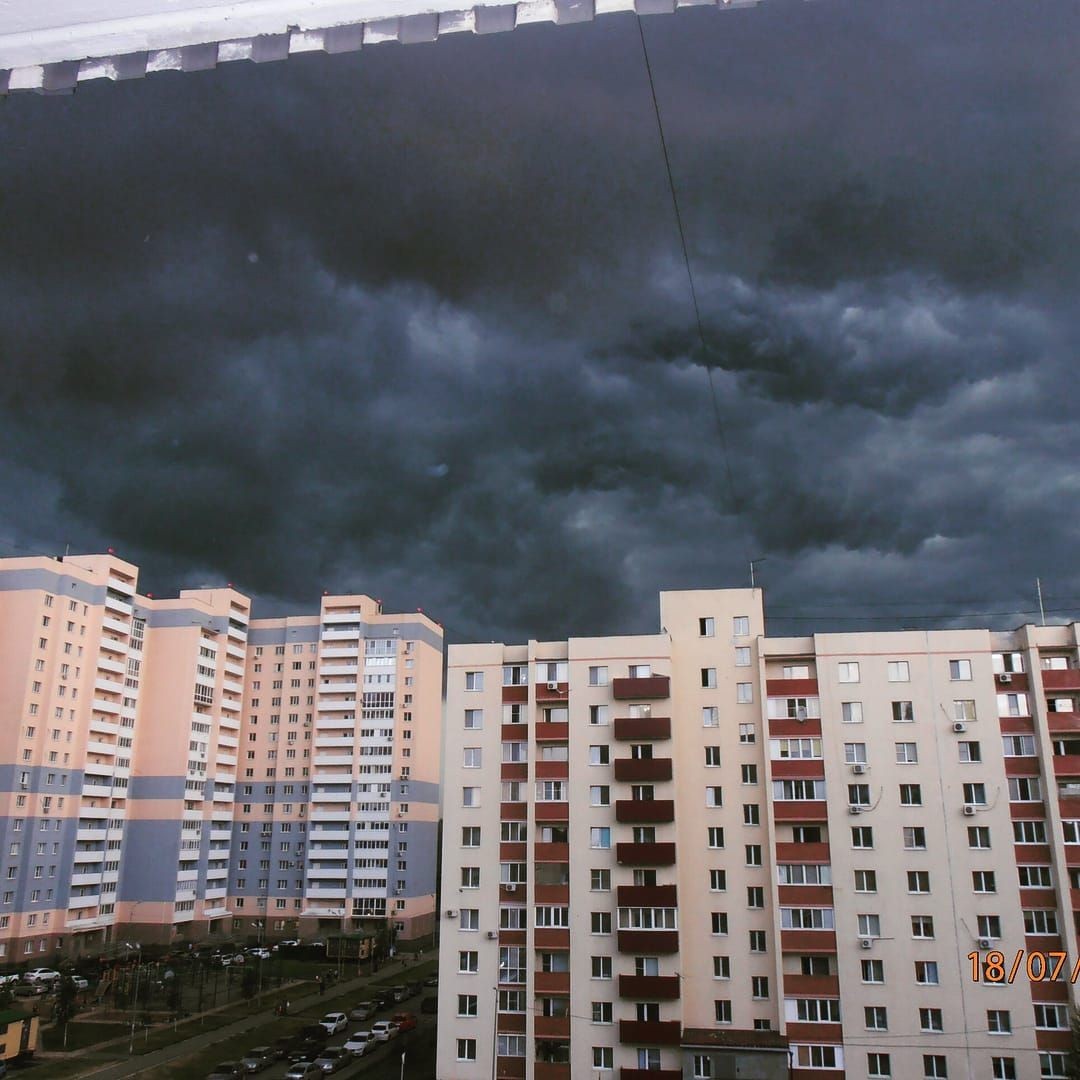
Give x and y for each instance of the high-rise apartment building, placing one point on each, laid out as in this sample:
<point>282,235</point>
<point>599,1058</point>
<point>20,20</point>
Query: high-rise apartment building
<point>712,853</point>
<point>175,768</point>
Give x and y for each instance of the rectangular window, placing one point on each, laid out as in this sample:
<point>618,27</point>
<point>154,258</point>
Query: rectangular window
<point>740,626</point>
<point>960,670</point>
<point>907,753</point>
<point>744,693</point>
<point>742,656</point>
<point>899,671</point>
<point>598,675</point>
<point>847,672</point>
<point>903,712</point>
<point>474,680</point>
<point>851,712</point>
<point>474,719</point>
<point>710,716</point>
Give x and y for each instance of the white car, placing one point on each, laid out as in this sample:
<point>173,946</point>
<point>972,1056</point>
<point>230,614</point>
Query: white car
<point>334,1022</point>
<point>385,1030</point>
<point>80,982</point>
<point>360,1042</point>
<point>40,975</point>
<point>260,953</point>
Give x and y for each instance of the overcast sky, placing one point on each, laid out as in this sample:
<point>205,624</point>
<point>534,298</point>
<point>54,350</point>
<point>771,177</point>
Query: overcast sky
<point>415,322</point>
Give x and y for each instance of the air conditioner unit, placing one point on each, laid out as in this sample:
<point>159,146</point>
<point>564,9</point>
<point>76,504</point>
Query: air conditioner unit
<point>866,943</point>
<point>855,808</point>
<point>959,726</point>
<point>969,810</point>
<point>553,686</point>
<point>451,913</point>
<point>511,887</point>
<point>1005,676</point>
<point>858,768</point>
<point>492,935</point>
<point>985,943</point>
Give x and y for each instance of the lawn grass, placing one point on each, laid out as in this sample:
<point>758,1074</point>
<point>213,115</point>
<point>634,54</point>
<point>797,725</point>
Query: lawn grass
<point>80,1033</point>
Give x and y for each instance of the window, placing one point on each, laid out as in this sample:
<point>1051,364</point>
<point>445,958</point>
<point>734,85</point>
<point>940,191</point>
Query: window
<point>975,794</point>
<point>1018,745</point>
<point>998,1022</point>
<point>866,881</point>
<point>931,1020</point>
<point>710,716</point>
<point>648,1058</point>
<point>472,757</point>
<point>903,712</point>
<point>708,678</point>
<point>719,922</point>
<point>979,836</point>
<point>873,971</point>
<point>602,1012</point>
<point>714,796</point>
<point>601,967</point>
<point>717,880</point>
<point>910,795</point>
<point>755,896</point>
<point>862,836</point>
<point>474,680</point>
<point>847,672</point>
<point>598,675</point>
<point>1033,832</point>
<point>1051,1017</point>
<point>963,709</point>
<point>469,919</point>
<point>470,796</point>
<point>899,671</point>
<point>983,881</point>
<point>468,962</point>
<point>600,880</point>
<point>851,712</point>
<point>1003,1068</point>
<point>470,877</point>
<point>721,967</point>
<point>878,1065</point>
<point>748,774</point>
<point>914,838</point>
<point>922,926</point>
<point>603,1057</point>
<point>759,987</point>
<point>960,670</point>
<point>600,837</point>
<point>875,1018</point>
<point>751,814</point>
<point>474,719</point>
<point>859,795</point>
<point>753,854</point>
<point>466,1004</point>
<point>600,922</point>
<point>744,693</point>
<point>926,973</point>
<point>869,925</point>
<point>1053,1066</point>
<point>740,626</point>
<point>757,941</point>
<point>722,1011</point>
<point>466,1049</point>
<point>702,1067</point>
<point>742,656</point>
<point>716,836</point>
<point>598,715</point>
<point>712,757</point>
<point>969,752</point>
<point>599,795</point>
<point>639,671</point>
<point>747,734</point>
<point>907,753</point>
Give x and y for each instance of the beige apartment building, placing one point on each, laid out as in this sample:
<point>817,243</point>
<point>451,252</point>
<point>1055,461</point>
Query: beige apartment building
<point>708,853</point>
<point>171,768</point>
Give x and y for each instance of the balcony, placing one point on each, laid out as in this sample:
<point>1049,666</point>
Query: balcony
<point>647,896</point>
<point>101,705</point>
<point>552,1027</point>
<point>1068,679</point>
<point>551,811</point>
<point>648,942</point>
<point>550,731</point>
<point>788,852</point>
<point>633,770</point>
<point>630,854</point>
<point>558,853</point>
<point>515,695</point>
<point>786,688</point>
<point>333,759</point>
<point>551,1070</point>
<point>801,810</point>
<point>642,728</point>
<point>649,987</point>
<point>547,693</point>
<point>551,982</point>
<point>550,937</point>
<point>808,941</point>
<point>644,811</point>
<point>650,1032</point>
<point>108,686</point>
<point>115,626</point>
<point>651,688</point>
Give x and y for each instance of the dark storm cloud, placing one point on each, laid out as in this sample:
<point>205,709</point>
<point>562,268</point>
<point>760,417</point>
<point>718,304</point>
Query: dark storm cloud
<point>415,322</point>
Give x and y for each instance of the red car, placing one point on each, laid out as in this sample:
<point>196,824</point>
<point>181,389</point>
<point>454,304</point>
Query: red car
<point>404,1021</point>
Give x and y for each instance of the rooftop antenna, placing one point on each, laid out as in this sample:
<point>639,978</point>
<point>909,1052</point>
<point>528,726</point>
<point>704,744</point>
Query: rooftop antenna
<point>1042,610</point>
<point>753,563</point>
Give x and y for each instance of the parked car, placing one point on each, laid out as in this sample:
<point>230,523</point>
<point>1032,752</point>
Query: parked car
<point>227,1070</point>
<point>257,1059</point>
<point>334,1022</point>
<point>289,943</point>
<point>26,990</point>
<point>432,981</point>
<point>400,993</point>
<point>41,975</point>
<point>304,1070</point>
<point>384,1030</point>
<point>384,999</point>
<point>360,1043</point>
<point>362,1010</point>
<point>80,982</point>
<point>307,1043</point>
<point>333,1058</point>
<point>259,952</point>
<point>405,1021</point>
<point>9,980</point>
<point>281,1047</point>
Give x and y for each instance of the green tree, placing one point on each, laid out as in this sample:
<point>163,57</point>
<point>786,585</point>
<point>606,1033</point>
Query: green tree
<point>250,983</point>
<point>65,1007</point>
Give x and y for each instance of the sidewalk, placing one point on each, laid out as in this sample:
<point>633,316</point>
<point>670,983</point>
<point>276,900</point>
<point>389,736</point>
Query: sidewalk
<point>140,1063</point>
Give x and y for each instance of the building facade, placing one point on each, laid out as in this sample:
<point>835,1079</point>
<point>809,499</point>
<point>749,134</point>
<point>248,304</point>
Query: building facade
<point>712,853</point>
<point>176,769</point>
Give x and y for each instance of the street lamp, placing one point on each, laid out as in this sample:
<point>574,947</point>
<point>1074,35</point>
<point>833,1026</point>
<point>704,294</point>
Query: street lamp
<point>135,997</point>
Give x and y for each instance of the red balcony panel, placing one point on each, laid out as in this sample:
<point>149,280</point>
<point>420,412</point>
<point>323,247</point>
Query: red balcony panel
<point>815,1033</point>
<point>632,770</point>
<point>1054,1040</point>
<point>1038,898</point>
<point>512,937</point>
<point>808,941</point>
<point>514,770</point>
<point>1074,897</point>
<point>787,852</point>
<point>552,894</point>
<point>515,732</point>
<point>644,811</point>
<point>1069,805</point>
<point>1051,991</point>
<point>784,727</point>
<point>512,851</point>
<point>1023,811</point>
<point>548,937</point>
<point>791,687</point>
<point>552,811</point>
<point>1067,765</point>
<point>811,895</point>
<point>552,982</point>
<point>515,695</point>
<point>650,1032</point>
<point>1066,680</point>
<point>649,942</point>
<point>629,854</point>
<point>551,1027</point>
<point>649,987</point>
<point>1011,682</point>
<point>513,892</point>
<point>1044,943</point>
<point>551,731</point>
<point>808,810</point>
<point>657,1074</point>
<point>510,1068</point>
<point>653,688</point>
<point>1063,723</point>
<point>642,728</point>
<point>551,852</point>
<point>1016,725</point>
<point>797,770</point>
<point>513,811</point>
<point>811,986</point>
<point>551,1070</point>
<point>552,770</point>
<point>647,896</point>
<point>1032,854</point>
<point>546,695</point>
<point>1022,766</point>
<point>511,1023</point>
